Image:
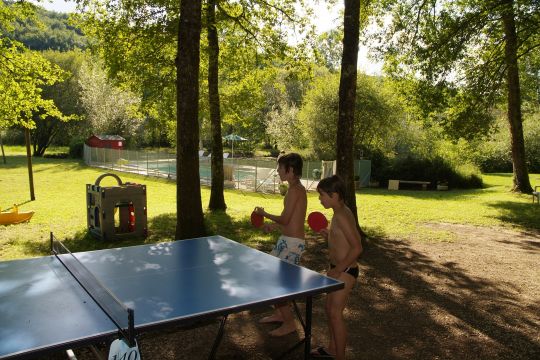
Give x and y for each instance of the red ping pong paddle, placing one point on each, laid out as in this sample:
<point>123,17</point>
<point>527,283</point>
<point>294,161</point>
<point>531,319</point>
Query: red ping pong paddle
<point>257,220</point>
<point>317,221</point>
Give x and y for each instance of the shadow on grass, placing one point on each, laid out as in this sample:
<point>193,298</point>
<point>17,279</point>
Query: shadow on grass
<point>18,205</point>
<point>524,215</point>
<point>160,228</point>
<point>82,240</point>
<point>220,223</point>
<point>55,166</point>
<point>458,194</point>
<point>15,161</point>
<point>163,228</point>
<point>410,306</point>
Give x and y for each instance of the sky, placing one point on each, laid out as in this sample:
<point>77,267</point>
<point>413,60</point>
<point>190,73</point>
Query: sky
<point>59,5</point>
<point>324,19</point>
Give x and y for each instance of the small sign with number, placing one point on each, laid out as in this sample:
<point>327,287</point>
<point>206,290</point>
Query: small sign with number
<point>120,350</point>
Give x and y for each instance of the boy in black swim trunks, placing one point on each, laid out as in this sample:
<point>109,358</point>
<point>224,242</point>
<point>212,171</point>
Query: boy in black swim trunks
<point>344,249</point>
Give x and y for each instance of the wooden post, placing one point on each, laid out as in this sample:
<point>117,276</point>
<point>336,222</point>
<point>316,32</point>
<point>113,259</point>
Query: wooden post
<point>29,158</point>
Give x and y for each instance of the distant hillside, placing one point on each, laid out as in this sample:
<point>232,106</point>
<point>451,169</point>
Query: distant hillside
<point>54,32</point>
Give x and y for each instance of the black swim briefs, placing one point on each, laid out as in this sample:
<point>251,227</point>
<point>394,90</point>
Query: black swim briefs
<point>353,271</point>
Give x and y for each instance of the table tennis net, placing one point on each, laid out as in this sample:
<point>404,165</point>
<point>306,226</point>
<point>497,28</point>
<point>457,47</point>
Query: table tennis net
<point>116,310</point>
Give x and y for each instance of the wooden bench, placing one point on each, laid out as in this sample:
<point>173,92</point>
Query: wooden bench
<point>536,194</point>
<point>394,184</point>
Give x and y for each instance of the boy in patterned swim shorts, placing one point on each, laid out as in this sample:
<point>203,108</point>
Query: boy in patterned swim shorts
<point>290,244</point>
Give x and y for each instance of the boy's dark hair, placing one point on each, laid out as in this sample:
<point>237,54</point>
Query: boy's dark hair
<point>331,185</point>
<point>292,160</point>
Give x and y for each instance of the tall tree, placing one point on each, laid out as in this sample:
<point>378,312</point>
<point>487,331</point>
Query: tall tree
<point>217,200</point>
<point>378,115</point>
<point>256,20</point>
<point>108,108</point>
<point>190,218</point>
<point>66,96</point>
<point>515,120</point>
<point>347,98</point>
<point>471,49</point>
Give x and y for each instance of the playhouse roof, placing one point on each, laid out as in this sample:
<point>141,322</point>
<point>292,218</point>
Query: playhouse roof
<point>109,137</point>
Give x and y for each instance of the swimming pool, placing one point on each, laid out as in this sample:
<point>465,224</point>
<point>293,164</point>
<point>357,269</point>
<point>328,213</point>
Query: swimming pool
<point>239,172</point>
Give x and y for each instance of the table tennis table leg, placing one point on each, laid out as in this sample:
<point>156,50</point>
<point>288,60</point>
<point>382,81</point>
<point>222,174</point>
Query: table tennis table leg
<point>307,329</point>
<point>299,315</point>
<point>219,336</point>
<point>306,325</point>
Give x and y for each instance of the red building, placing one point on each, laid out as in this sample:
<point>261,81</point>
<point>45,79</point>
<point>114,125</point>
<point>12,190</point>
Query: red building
<point>106,141</point>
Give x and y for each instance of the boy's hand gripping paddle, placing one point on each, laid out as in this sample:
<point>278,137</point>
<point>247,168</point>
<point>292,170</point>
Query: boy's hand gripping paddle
<point>257,220</point>
<point>317,221</point>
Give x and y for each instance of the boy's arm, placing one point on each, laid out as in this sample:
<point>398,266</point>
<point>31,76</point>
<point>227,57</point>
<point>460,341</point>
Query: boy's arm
<point>288,210</point>
<point>348,226</point>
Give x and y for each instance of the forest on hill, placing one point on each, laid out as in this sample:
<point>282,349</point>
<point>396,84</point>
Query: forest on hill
<point>49,30</point>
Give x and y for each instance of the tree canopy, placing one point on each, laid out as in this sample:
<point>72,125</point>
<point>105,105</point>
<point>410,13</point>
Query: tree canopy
<point>23,73</point>
<point>378,116</point>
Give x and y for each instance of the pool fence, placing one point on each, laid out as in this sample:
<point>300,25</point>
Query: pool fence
<point>248,174</point>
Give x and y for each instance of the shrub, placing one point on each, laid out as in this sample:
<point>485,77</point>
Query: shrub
<point>436,170</point>
<point>13,136</point>
<point>76,147</point>
<point>274,152</point>
<point>379,163</point>
<point>495,155</point>
<point>56,156</point>
<point>495,159</point>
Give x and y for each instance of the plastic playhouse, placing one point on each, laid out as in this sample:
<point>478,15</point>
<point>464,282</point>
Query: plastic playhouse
<point>116,212</point>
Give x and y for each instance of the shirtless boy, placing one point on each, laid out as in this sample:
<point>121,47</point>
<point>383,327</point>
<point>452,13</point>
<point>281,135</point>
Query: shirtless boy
<point>344,248</point>
<point>290,244</point>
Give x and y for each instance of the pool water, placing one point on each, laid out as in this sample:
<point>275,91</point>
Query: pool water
<point>205,172</point>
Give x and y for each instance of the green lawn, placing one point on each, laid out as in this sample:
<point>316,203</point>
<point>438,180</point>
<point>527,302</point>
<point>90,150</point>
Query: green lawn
<point>60,207</point>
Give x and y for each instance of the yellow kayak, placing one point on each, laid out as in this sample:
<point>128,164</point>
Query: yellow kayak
<point>14,216</point>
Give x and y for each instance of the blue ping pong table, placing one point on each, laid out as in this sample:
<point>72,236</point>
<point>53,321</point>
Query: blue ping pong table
<point>45,306</point>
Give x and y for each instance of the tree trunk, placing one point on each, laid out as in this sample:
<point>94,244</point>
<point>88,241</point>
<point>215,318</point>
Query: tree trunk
<point>521,175</point>
<point>190,219</point>
<point>217,200</point>
<point>44,134</point>
<point>2,147</point>
<point>29,163</point>
<point>347,99</point>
